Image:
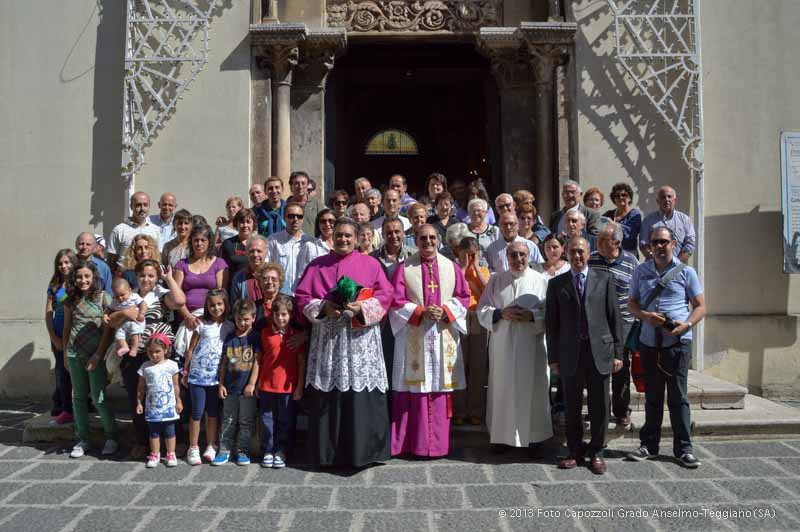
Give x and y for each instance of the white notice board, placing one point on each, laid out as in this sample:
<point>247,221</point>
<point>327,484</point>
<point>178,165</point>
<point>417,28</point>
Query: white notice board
<point>790,189</point>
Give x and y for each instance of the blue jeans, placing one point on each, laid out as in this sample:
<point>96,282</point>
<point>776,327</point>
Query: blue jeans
<point>62,395</point>
<point>204,399</point>
<point>278,415</point>
<point>667,367</point>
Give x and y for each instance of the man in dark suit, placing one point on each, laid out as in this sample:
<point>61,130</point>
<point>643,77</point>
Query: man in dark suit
<point>584,345</point>
<point>571,195</point>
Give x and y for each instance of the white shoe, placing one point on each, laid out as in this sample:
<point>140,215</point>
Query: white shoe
<point>210,453</point>
<point>172,460</point>
<point>193,456</point>
<point>152,460</point>
<point>110,448</point>
<point>80,449</point>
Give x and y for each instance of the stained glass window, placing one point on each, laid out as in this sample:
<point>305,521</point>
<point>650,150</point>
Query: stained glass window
<point>392,142</point>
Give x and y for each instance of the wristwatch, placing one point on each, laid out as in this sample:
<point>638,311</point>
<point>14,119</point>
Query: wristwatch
<point>689,323</point>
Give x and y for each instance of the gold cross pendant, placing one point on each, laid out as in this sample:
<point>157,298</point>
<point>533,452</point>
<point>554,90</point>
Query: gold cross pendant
<point>432,286</point>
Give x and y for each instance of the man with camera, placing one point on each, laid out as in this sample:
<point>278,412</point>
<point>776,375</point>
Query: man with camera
<point>662,290</point>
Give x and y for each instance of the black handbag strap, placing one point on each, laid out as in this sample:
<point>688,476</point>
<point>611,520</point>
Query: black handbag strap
<point>663,281</point>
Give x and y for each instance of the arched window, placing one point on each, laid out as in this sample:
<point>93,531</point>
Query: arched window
<point>391,142</point>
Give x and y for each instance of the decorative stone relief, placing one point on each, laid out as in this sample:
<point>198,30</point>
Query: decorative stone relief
<point>457,16</point>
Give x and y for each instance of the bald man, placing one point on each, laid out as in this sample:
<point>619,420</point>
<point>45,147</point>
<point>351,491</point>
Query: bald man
<point>166,209</point>
<point>668,216</point>
<point>136,224</point>
<point>85,246</point>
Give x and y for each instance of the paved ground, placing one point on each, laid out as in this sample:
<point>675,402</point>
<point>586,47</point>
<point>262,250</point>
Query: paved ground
<point>742,485</point>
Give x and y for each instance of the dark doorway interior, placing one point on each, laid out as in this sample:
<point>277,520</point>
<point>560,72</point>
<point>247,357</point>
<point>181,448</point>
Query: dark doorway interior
<point>441,94</point>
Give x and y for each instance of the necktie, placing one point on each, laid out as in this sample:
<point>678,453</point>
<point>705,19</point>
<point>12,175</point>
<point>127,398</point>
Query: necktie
<point>579,285</point>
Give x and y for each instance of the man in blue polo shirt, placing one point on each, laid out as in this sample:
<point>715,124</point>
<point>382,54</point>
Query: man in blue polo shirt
<point>620,264</point>
<point>665,344</point>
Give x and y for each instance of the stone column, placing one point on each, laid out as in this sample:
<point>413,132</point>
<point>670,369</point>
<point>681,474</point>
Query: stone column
<point>260,120</point>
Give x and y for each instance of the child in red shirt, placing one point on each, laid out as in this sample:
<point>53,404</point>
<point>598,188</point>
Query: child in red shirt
<point>281,380</point>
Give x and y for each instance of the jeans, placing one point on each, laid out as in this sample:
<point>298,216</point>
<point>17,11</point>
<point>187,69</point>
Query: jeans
<point>83,383</point>
<point>204,399</point>
<point>278,413</point>
<point>667,367</point>
<point>237,410</point>
<point>129,367</point>
<point>62,395</point>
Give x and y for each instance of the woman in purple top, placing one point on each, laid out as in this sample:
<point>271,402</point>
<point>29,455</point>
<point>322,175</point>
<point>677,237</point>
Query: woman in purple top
<point>199,273</point>
<point>626,215</point>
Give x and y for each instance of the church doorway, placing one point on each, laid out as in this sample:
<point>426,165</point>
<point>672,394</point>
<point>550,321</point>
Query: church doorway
<point>411,109</point>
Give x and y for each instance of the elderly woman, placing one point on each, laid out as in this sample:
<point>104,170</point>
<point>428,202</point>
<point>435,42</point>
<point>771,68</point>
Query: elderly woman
<point>199,273</point>
<point>444,217</point>
<point>530,224</point>
<point>593,198</point>
<point>270,279</point>
<point>234,249</point>
<point>373,198</point>
<point>476,189</point>
<point>452,239</point>
<point>178,248</point>
<point>142,247</point>
<point>323,244</point>
<point>161,299</point>
<point>366,236</point>
<point>625,215</point>
<point>226,228</point>
<point>483,231</point>
<point>340,199</point>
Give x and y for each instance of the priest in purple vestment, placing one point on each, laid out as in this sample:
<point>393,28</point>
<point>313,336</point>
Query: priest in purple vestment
<point>428,316</point>
<point>346,384</point>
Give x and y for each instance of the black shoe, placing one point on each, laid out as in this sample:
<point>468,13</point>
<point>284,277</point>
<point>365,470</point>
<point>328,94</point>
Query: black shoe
<point>498,448</point>
<point>640,455</point>
<point>535,450</point>
<point>689,461</point>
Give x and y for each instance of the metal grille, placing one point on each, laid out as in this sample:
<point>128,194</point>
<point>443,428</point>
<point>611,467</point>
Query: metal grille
<point>658,46</point>
<point>166,47</point>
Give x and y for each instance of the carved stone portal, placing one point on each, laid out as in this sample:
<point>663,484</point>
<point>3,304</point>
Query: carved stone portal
<point>456,16</point>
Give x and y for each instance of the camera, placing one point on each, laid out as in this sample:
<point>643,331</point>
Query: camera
<point>669,325</point>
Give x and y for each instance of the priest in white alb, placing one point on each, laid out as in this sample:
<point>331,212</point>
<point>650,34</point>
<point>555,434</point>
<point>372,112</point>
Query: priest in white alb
<point>512,310</point>
<point>428,316</point>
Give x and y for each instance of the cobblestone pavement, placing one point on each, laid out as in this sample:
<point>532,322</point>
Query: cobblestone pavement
<point>42,490</point>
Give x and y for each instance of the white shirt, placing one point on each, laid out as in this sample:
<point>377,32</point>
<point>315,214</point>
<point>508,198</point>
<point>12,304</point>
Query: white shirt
<point>310,251</point>
<point>122,236</point>
<point>167,229</point>
<point>285,250</point>
<point>498,260</point>
<point>377,223</point>
<point>159,390</point>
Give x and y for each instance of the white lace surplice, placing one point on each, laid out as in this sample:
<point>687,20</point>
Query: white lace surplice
<point>343,357</point>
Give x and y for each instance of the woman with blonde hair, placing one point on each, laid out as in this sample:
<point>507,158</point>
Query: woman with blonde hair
<point>142,247</point>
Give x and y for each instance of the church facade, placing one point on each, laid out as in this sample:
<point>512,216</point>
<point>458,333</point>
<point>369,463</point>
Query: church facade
<point>522,93</point>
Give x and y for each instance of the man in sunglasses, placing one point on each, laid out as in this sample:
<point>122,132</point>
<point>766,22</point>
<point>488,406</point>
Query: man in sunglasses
<point>284,247</point>
<point>665,343</point>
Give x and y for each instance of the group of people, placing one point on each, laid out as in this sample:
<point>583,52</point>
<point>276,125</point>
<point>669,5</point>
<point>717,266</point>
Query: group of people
<point>385,318</point>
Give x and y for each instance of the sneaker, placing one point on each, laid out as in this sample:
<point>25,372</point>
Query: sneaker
<point>221,458</point>
<point>640,455</point>
<point>193,456</point>
<point>242,458</point>
<point>689,461</point>
<point>64,417</point>
<point>152,460</point>
<point>80,449</point>
<point>172,460</point>
<point>110,448</point>
<point>268,460</point>
<point>279,461</point>
<point>210,453</point>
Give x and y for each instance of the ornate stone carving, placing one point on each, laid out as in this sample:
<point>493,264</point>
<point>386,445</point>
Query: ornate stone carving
<point>317,56</point>
<point>457,16</point>
<point>277,47</point>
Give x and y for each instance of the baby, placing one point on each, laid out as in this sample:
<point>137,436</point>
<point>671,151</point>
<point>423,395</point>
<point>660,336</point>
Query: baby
<point>124,299</point>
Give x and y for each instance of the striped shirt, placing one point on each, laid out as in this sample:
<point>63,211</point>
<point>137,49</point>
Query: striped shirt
<point>621,269</point>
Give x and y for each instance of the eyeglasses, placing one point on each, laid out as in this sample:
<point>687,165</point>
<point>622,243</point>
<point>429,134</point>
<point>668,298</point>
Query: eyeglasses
<point>505,206</point>
<point>427,237</point>
<point>329,221</point>
<point>660,242</point>
<point>620,195</point>
<point>340,202</point>
<point>295,216</point>
<point>517,254</point>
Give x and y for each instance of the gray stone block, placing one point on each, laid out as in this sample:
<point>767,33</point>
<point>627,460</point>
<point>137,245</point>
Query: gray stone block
<point>684,519</point>
<point>287,475</point>
<point>220,474</point>
<point>321,522</point>
<point>425,498</point>
<point>181,520</point>
<point>170,495</point>
<point>746,449</point>
<point>117,520</point>
<point>708,469</point>
<point>628,493</point>
<point>691,491</point>
<point>6,488</point>
<point>41,519</point>
<point>21,453</point>
<point>50,471</point>
<point>249,521</point>
<point>357,498</point>
<point>497,496</point>
<point>467,521</point>
<point>109,494</point>
<point>650,470</point>
<point>46,493</point>
<point>459,474</point>
<point>790,465</point>
<point>399,475</point>
<point>581,473</point>
<point>793,443</point>
<point>111,471</point>
<point>792,508</point>
<point>566,494</point>
<point>395,522</point>
<point>509,473</point>
<point>163,474</point>
<point>750,467</point>
<point>792,484</point>
<point>234,497</point>
<point>755,490</point>
<point>9,468</point>
<point>300,497</point>
<point>334,477</point>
